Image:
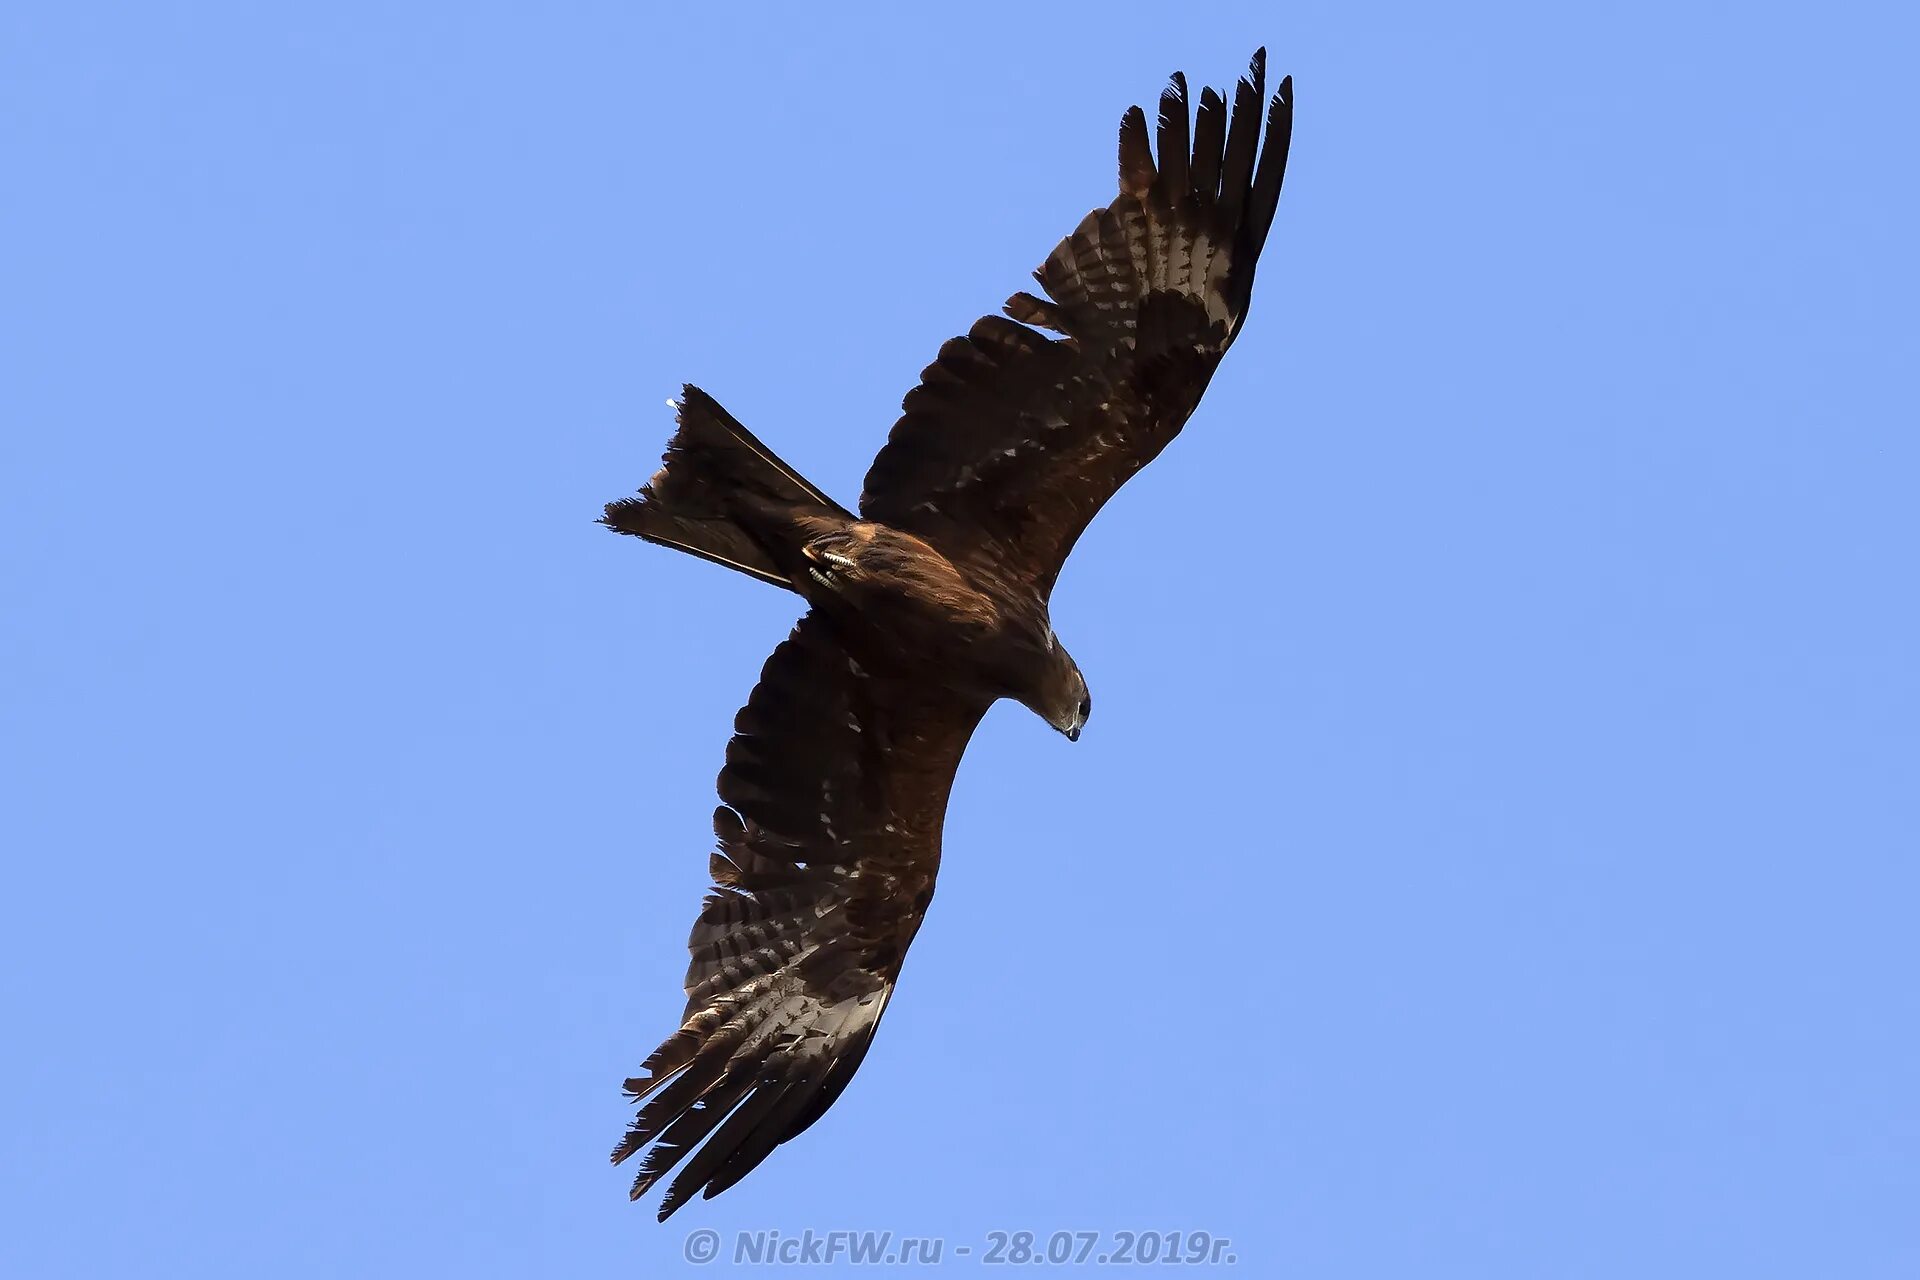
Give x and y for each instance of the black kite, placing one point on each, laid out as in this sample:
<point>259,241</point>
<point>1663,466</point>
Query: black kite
<point>923,610</point>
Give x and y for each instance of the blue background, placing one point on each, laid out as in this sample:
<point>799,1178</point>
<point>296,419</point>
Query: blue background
<point>1493,850</point>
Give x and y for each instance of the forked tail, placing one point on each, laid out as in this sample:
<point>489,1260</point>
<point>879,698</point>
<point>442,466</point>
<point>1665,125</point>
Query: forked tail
<point>714,494</point>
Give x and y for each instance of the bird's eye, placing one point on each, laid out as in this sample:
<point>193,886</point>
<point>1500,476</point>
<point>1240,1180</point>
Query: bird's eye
<point>1086,707</point>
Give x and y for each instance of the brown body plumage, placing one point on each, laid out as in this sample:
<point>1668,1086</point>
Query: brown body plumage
<point>895,601</point>
<point>924,609</point>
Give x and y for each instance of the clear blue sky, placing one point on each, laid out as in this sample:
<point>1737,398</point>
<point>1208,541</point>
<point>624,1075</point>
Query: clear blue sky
<point>1494,850</point>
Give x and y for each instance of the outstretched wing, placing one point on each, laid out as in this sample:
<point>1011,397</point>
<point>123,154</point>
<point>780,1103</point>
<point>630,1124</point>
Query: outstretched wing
<point>1012,440</point>
<point>835,789</point>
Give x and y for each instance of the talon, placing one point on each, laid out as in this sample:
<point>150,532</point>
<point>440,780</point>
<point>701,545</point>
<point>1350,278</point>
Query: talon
<point>819,553</point>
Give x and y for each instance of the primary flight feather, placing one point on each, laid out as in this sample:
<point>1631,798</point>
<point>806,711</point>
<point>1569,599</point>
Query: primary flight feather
<point>924,609</point>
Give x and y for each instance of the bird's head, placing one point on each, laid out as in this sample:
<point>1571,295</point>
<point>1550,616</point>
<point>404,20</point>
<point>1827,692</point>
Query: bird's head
<point>1062,699</point>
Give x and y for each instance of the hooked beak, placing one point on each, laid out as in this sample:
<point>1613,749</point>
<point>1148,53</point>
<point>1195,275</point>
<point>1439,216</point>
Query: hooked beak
<point>1070,724</point>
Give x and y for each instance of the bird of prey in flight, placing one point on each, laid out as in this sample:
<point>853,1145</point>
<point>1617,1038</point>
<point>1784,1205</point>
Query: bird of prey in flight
<point>922,610</point>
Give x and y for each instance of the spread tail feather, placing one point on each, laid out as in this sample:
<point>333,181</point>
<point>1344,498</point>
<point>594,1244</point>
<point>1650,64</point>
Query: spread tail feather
<point>714,474</point>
